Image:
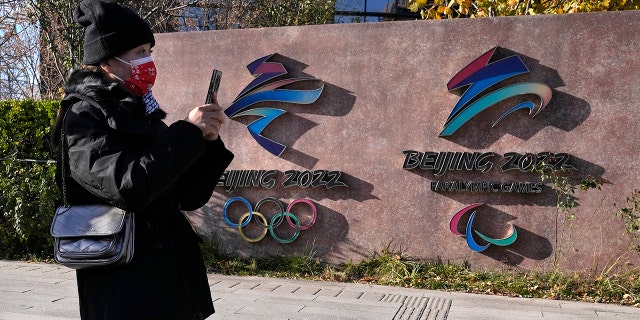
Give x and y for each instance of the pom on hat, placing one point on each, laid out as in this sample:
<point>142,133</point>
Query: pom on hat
<point>110,29</point>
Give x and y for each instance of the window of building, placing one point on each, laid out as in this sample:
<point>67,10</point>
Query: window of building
<point>350,11</point>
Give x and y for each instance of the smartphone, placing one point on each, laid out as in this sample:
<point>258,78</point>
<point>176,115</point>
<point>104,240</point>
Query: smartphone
<point>214,84</point>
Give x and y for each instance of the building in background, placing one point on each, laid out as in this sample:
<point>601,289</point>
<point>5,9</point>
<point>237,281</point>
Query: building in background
<point>354,11</point>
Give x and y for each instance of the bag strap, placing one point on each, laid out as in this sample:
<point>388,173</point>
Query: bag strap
<point>63,140</point>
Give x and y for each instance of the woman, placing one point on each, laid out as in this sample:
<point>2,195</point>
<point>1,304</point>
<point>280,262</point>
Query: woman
<point>119,152</point>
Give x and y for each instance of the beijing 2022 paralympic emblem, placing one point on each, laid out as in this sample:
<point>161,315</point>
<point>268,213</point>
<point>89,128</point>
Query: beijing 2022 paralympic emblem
<point>478,77</point>
<point>470,232</point>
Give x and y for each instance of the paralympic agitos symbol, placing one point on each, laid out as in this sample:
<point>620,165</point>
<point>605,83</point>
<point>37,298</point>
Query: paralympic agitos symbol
<point>470,232</point>
<point>479,76</point>
<point>264,88</point>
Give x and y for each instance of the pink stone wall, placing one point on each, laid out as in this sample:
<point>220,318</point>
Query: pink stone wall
<point>386,92</point>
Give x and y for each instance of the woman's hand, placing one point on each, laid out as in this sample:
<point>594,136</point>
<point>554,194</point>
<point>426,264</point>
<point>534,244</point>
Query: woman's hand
<point>209,118</point>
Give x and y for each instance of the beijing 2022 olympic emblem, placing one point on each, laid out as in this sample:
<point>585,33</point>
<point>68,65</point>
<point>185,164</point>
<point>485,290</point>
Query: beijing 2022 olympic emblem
<point>266,88</point>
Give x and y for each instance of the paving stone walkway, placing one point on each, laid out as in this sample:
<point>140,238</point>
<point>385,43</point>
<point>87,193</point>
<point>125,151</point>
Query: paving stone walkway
<point>38,291</point>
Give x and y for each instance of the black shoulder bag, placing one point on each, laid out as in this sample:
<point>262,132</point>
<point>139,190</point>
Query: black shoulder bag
<point>90,236</point>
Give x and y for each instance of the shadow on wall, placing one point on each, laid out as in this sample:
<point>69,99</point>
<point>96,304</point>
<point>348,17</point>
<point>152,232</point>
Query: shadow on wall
<point>564,111</point>
<point>334,101</point>
<point>522,249</point>
<point>355,189</point>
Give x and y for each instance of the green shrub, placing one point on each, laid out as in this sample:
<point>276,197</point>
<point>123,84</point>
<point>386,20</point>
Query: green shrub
<point>27,189</point>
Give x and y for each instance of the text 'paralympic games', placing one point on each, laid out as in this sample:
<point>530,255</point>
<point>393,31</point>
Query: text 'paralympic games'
<point>441,162</point>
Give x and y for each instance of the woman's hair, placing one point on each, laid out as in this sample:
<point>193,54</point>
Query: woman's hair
<point>92,67</point>
<point>64,105</point>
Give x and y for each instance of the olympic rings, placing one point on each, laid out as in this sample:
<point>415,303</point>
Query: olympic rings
<point>226,205</point>
<point>313,218</point>
<point>275,221</point>
<point>277,202</point>
<point>289,217</point>
<point>264,223</point>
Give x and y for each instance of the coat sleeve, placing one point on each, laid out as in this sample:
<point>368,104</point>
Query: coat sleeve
<point>120,167</point>
<point>198,182</point>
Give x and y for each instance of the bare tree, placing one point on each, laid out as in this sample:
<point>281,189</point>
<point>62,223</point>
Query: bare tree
<point>18,52</point>
<point>40,42</point>
<point>156,13</point>
<point>60,43</point>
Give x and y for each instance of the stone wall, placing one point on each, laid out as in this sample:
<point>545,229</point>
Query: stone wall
<point>384,92</point>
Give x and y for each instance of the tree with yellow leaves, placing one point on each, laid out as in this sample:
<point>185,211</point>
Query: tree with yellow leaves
<point>443,9</point>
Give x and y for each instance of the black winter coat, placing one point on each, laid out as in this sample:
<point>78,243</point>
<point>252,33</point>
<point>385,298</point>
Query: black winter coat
<point>119,155</point>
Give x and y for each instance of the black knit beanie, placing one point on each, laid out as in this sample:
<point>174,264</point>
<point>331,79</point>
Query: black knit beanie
<point>110,29</point>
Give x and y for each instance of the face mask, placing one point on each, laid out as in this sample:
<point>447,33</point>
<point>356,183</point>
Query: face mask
<point>143,75</point>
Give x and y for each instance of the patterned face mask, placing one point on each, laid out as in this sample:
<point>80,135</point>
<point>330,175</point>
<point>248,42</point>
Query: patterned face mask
<point>143,75</point>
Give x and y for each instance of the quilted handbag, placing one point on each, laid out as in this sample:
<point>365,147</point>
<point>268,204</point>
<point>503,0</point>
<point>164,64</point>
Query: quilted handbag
<point>90,236</point>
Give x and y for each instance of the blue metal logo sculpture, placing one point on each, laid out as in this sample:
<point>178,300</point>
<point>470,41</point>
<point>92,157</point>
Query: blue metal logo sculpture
<point>469,231</point>
<point>266,89</point>
<point>480,75</point>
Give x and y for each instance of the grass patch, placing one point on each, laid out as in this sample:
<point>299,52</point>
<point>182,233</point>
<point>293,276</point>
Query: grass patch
<point>393,268</point>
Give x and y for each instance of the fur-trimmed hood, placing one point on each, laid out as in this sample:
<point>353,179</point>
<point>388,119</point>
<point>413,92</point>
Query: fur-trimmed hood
<point>109,94</point>
<point>94,85</point>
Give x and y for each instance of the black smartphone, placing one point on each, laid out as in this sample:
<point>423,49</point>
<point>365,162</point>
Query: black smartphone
<point>214,84</point>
